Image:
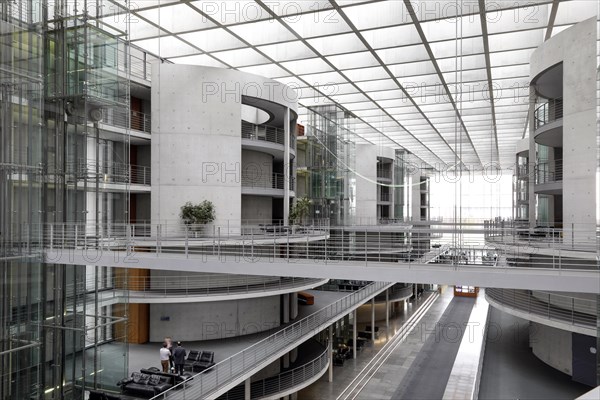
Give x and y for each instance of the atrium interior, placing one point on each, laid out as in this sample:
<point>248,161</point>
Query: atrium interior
<point>382,199</point>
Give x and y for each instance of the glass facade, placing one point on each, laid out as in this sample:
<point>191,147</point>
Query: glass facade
<point>330,162</point>
<point>60,73</point>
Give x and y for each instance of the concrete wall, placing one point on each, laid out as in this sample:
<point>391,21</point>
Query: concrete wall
<point>366,183</point>
<point>576,49</point>
<point>552,346</point>
<point>415,195</point>
<point>196,136</point>
<point>178,280</point>
<point>216,320</point>
<point>257,167</point>
<point>257,209</point>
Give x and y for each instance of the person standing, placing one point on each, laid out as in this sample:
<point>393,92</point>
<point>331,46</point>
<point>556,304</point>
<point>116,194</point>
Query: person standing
<point>164,358</point>
<point>179,358</point>
<point>169,343</point>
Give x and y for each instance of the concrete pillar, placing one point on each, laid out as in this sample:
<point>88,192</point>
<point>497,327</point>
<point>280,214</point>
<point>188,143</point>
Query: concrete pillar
<point>354,332</point>
<point>285,360</point>
<point>293,305</point>
<point>387,315</point>
<point>330,354</point>
<point>247,391</point>
<point>286,167</point>
<point>286,308</point>
<point>294,355</point>
<point>598,340</point>
<point>373,319</point>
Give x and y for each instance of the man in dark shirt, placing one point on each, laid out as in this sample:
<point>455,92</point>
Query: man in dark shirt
<point>179,358</point>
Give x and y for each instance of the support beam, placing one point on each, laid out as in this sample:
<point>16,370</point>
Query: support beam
<point>247,389</point>
<point>330,353</point>
<point>286,167</point>
<point>354,333</point>
<point>387,314</point>
<point>373,319</point>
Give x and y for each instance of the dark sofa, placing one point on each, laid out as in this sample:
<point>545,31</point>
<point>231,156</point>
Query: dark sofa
<point>146,385</point>
<point>198,361</point>
<point>177,379</point>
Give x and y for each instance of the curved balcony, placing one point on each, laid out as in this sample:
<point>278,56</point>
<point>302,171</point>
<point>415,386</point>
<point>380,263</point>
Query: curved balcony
<point>195,288</point>
<point>526,304</point>
<point>286,383</point>
<point>548,112</point>
<point>212,287</point>
<point>111,176</point>
<point>548,177</point>
<point>125,119</point>
<point>266,138</point>
<point>265,184</point>
<point>232,371</point>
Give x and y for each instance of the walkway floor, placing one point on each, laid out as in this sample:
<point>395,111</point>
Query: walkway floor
<point>512,371</point>
<point>344,375</point>
<point>146,355</point>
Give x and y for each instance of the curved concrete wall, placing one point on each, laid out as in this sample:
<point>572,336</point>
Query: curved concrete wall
<point>200,280</point>
<point>196,135</point>
<point>580,302</point>
<point>553,346</point>
<point>576,49</point>
<point>215,320</point>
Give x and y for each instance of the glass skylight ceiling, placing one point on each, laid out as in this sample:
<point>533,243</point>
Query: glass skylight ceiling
<point>415,74</point>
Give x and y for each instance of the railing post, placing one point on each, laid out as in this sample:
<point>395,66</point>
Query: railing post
<point>51,237</point>
<point>157,238</point>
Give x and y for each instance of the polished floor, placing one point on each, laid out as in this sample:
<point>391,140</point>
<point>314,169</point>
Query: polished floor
<point>385,382</point>
<point>512,371</point>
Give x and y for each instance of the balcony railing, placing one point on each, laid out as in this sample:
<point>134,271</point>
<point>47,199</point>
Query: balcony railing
<point>111,172</point>
<point>266,181</point>
<point>204,285</point>
<point>384,197</point>
<point>384,173</point>
<point>548,112</point>
<point>284,382</point>
<point>266,133</point>
<point>543,304</point>
<point>522,171</point>
<point>129,120</point>
<point>213,381</point>
<point>549,171</point>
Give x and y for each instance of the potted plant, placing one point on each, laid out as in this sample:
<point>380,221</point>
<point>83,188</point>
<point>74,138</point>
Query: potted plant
<point>196,216</point>
<point>299,211</point>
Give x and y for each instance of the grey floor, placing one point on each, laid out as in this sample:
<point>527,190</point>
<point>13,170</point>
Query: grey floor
<point>146,355</point>
<point>429,372</point>
<point>386,380</point>
<point>512,371</point>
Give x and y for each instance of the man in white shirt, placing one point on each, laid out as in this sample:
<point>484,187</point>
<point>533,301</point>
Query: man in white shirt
<point>164,358</point>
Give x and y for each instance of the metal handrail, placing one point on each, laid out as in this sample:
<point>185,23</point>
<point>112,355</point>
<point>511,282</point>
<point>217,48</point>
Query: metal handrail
<point>383,197</point>
<point>549,171</point>
<point>526,301</point>
<point>135,120</point>
<point>548,112</point>
<point>266,133</point>
<point>195,285</point>
<point>316,241</point>
<point>266,181</point>
<point>113,172</point>
<point>232,370</point>
<point>384,173</point>
<point>283,382</point>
